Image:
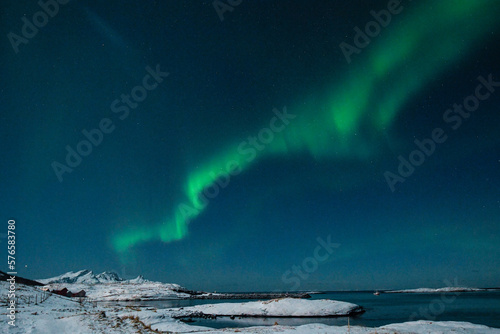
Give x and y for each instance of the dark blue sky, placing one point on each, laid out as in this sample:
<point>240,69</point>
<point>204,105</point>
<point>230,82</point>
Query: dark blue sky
<point>323,176</point>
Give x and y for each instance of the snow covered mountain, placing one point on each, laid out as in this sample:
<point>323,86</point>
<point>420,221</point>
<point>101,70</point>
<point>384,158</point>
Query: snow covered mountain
<point>108,277</point>
<point>83,277</point>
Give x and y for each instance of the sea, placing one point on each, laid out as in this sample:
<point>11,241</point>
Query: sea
<point>482,307</point>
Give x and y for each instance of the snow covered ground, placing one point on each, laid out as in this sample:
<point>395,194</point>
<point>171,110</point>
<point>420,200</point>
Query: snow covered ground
<point>61,315</point>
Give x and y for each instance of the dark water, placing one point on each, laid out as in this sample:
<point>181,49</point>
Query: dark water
<point>475,307</point>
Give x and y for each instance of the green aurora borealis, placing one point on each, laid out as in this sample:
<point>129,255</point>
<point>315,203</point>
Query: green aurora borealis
<point>427,40</point>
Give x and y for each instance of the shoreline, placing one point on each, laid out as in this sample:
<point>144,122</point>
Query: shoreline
<point>64,315</point>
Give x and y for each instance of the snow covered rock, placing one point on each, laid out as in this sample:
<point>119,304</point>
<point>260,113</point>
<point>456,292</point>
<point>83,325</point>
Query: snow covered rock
<point>287,307</point>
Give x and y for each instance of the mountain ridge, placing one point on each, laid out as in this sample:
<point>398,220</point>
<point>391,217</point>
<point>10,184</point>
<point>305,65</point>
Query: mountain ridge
<point>86,276</point>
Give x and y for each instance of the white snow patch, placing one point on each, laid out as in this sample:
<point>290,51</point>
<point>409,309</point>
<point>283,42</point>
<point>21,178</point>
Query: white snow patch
<point>287,307</point>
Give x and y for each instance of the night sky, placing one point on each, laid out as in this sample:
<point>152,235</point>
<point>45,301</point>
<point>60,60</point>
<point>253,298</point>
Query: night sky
<point>221,147</point>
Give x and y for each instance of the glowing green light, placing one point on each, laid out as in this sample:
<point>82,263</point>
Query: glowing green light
<point>426,41</point>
